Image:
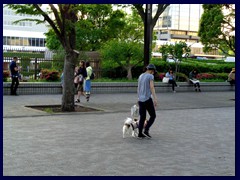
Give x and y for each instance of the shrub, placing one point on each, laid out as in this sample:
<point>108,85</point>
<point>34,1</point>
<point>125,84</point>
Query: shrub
<point>161,76</point>
<point>49,75</point>
<point>205,76</point>
<point>181,77</point>
<point>25,63</point>
<point>45,65</point>
<point>6,74</point>
<point>223,76</point>
<point>208,76</point>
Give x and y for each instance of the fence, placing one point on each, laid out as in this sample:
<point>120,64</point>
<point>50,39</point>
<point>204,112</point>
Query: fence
<point>31,62</point>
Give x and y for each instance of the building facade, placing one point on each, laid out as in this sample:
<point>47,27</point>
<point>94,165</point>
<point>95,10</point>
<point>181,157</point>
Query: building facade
<point>180,22</point>
<point>25,35</point>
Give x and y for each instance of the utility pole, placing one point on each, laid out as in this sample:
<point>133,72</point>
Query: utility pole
<point>147,34</point>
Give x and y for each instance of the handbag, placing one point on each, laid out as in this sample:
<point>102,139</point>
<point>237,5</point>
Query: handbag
<point>165,79</point>
<point>78,79</point>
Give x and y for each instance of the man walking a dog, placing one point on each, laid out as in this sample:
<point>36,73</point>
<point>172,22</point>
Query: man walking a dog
<point>147,100</point>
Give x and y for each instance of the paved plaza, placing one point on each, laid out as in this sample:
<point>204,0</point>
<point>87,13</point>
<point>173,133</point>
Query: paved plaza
<point>193,135</point>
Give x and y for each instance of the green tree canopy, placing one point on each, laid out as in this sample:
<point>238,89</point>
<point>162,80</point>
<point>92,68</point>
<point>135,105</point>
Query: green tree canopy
<point>217,28</point>
<point>126,50</point>
<point>178,51</point>
<point>120,53</point>
<point>97,24</point>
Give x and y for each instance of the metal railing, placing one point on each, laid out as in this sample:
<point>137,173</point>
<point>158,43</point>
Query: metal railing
<point>32,62</point>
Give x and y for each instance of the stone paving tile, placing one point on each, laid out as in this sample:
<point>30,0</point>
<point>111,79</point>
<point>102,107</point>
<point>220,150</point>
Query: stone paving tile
<point>188,140</point>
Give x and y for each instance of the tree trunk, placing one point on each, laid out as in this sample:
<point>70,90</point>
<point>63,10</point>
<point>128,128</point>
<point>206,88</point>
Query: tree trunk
<point>68,85</point>
<point>129,73</point>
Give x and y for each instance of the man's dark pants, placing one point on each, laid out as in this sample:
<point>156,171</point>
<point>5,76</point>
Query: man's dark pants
<point>145,107</point>
<point>14,85</point>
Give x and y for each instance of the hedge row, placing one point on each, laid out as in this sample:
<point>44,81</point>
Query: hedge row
<point>215,70</point>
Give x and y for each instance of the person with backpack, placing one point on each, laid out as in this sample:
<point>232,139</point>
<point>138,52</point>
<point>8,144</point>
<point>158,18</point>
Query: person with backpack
<point>90,76</point>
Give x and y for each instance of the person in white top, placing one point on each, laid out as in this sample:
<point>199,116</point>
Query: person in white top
<point>88,81</point>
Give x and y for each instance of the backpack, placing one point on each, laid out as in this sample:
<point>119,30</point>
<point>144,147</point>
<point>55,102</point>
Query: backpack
<point>92,75</point>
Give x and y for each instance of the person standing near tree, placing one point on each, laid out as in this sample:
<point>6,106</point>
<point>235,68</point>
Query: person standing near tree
<point>14,75</point>
<point>81,75</point>
<point>88,80</point>
<point>146,92</point>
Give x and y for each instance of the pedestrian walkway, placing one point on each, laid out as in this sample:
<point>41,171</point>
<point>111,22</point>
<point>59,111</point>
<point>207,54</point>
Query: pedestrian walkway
<point>14,106</point>
<point>193,135</point>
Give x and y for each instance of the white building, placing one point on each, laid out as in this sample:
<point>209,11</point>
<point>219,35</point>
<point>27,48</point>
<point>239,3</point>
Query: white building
<point>179,22</point>
<point>26,35</point>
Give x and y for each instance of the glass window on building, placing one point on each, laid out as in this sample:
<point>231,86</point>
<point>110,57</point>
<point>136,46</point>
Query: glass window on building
<point>184,17</point>
<point>192,33</point>
<point>41,42</point>
<point>12,41</point>
<point>37,42</point>
<point>30,41</point>
<point>8,40</point>
<point>17,41</point>
<point>4,40</point>
<point>194,15</point>
<point>21,41</point>
<point>25,41</point>
<point>33,41</point>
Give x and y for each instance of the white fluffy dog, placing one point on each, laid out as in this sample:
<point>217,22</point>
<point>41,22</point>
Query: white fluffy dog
<point>130,126</point>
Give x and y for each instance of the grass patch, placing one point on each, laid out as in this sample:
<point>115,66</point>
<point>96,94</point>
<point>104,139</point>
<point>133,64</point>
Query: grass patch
<point>48,110</point>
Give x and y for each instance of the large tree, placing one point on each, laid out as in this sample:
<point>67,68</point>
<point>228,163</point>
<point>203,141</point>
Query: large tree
<point>62,18</point>
<point>97,24</point>
<point>217,28</point>
<point>178,51</point>
<point>126,50</point>
<point>153,19</point>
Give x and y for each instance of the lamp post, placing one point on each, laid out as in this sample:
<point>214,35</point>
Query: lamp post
<point>147,33</point>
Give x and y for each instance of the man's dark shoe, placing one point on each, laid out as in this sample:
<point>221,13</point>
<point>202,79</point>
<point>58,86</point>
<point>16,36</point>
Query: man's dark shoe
<point>147,135</point>
<point>141,136</point>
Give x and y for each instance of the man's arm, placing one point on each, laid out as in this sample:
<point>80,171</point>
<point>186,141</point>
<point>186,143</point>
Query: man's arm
<point>16,68</point>
<point>152,88</point>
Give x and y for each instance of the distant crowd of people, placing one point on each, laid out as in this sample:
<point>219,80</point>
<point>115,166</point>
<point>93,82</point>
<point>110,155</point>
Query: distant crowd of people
<point>193,79</point>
